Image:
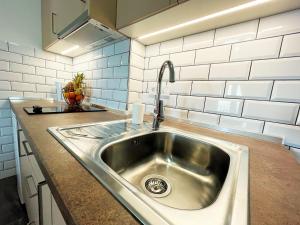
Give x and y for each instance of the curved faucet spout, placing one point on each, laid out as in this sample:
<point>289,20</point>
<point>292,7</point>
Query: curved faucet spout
<point>158,111</point>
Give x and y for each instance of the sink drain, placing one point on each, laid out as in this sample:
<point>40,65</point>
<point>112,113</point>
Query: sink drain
<point>156,186</point>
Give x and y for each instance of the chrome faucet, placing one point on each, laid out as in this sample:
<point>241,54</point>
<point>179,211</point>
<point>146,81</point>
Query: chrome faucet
<point>159,108</point>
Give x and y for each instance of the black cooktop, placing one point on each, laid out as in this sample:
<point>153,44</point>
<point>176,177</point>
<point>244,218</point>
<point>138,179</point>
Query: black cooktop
<point>61,109</point>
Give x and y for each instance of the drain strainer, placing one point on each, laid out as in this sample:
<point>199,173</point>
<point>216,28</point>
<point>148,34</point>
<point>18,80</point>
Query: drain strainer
<point>155,185</point>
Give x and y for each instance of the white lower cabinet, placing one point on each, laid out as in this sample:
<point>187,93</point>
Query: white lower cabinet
<point>57,218</point>
<point>46,205</point>
<point>35,193</point>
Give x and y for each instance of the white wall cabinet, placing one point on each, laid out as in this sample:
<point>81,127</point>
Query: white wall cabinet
<point>32,186</point>
<point>132,11</point>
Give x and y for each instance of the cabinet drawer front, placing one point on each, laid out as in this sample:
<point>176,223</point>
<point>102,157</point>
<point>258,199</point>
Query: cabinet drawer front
<point>31,200</point>
<point>36,171</point>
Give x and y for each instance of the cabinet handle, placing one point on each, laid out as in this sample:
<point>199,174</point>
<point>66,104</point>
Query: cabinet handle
<point>19,146</point>
<point>26,149</point>
<point>52,19</point>
<point>31,195</point>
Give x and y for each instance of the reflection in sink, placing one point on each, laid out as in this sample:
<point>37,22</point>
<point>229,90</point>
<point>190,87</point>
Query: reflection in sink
<point>194,170</point>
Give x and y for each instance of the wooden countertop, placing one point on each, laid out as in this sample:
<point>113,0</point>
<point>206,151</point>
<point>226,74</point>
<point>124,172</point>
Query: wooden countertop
<point>274,173</point>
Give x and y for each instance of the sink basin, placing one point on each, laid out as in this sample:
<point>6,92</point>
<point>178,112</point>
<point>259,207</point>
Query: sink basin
<point>191,171</point>
<point>164,177</point>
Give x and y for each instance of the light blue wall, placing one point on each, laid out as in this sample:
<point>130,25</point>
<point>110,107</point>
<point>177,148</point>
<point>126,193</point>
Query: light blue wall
<point>20,22</point>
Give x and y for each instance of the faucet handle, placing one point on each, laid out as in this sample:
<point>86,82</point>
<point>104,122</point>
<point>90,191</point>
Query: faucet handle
<point>161,111</point>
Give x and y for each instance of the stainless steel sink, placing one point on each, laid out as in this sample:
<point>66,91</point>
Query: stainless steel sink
<point>166,176</point>
<point>191,171</point>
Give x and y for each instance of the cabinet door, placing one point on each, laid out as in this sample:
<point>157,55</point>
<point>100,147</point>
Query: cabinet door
<point>49,31</point>
<point>57,218</point>
<point>68,11</point>
<point>131,11</point>
<point>16,150</point>
<point>45,206</point>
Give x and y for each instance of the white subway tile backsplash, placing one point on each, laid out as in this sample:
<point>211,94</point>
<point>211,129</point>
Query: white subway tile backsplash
<point>5,122</point>
<point>180,87</point>
<point>125,59</point>
<point>286,91</point>
<point>113,84</point>
<point>271,111</point>
<point>289,134</point>
<point>114,60</point>
<point>108,50</point>
<point>137,61</point>
<point>260,90</point>
<point>7,94</point>
<point>35,95</point>
<point>20,49</point>
<point>45,72</point>
<point>156,61</point>
<point>152,50</point>
<point>194,72</point>
<point>4,65</point>
<point>285,68</point>
<point>205,118</point>
<point>44,55</point>
<point>230,71</point>
<point>34,61</point>
<point>242,124</point>
<point>108,73</point>
<point>122,46</point>
<point>135,85</point>
<point>138,48</point>
<point>208,88</point>
<point>183,58</point>
<point>196,41</point>
<point>121,72</point>
<point>66,75</point>
<point>224,106</point>
<point>136,73</point>
<point>5,85</point>
<point>18,86</point>
<point>97,74</point>
<point>133,97</point>
<point>9,56</point>
<point>64,59</point>
<point>290,46</point>
<point>258,49</point>
<point>5,113</point>
<point>171,46</point>
<point>20,68</point>
<point>120,96</point>
<point>213,55</point>
<point>45,88</point>
<point>170,101</point>
<point>191,102</point>
<point>102,63</point>
<point>4,104</point>
<point>284,23</point>
<point>236,33</point>
<point>55,65</point>
<point>10,76</point>
<point>176,113</point>
<point>52,80</point>
<point>150,75</point>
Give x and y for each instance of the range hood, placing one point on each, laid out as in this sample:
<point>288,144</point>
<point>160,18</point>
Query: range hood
<point>83,35</point>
